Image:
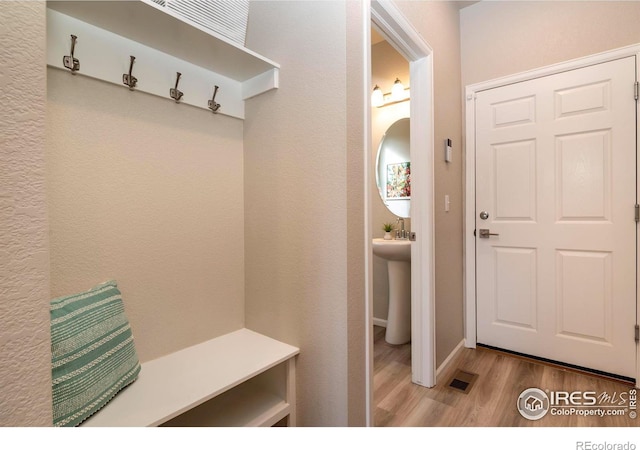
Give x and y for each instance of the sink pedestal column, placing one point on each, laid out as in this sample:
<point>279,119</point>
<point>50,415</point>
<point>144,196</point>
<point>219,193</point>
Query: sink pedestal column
<point>399,316</point>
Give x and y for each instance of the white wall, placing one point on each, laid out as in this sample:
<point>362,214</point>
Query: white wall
<point>25,345</point>
<point>296,213</point>
<point>149,193</point>
<point>507,37</point>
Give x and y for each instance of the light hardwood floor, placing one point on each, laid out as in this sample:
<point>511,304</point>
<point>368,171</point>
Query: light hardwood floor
<point>491,402</point>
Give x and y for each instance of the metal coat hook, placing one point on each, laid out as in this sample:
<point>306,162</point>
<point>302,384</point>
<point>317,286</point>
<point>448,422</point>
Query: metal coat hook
<point>70,62</point>
<point>213,106</point>
<point>174,92</point>
<point>129,79</point>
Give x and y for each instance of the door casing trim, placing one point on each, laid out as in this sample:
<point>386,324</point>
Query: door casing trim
<point>471,90</point>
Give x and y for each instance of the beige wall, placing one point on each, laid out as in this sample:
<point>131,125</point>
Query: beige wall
<point>146,191</point>
<point>503,38</point>
<point>438,23</point>
<point>296,184</point>
<point>149,193</point>
<point>25,349</point>
<point>356,243</point>
<point>386,65</point>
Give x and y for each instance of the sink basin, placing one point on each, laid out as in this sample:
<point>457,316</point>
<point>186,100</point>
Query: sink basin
<point>392,250</point>
<point>398,256</point>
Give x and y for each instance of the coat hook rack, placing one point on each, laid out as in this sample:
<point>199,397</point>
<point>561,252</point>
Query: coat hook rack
<point>129,79</point>
<point>174,93</point>
<point>70,62</point>
<point>213,106</point>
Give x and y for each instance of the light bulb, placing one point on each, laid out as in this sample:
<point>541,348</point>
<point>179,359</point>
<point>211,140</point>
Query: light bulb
<point>377,99</point>
<point>397,91</point>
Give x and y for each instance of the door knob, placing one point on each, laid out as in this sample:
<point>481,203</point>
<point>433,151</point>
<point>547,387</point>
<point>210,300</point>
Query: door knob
<point>484,215</point>
<point>485,233</point>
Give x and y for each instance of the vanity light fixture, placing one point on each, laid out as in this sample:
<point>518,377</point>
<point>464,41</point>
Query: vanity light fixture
<point>397,91</point>
<point>398,94</point>
<point>377,97</point>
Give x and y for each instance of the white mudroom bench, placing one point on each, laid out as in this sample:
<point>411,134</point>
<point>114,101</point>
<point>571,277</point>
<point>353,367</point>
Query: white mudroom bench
<point>239,379</point>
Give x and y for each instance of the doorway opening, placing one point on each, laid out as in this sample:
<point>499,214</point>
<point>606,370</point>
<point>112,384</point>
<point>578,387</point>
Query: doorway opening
<point>391,24</point>
<point>391,190</point>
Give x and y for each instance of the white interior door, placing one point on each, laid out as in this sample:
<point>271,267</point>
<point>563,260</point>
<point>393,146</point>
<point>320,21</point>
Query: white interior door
<point>555,173</point>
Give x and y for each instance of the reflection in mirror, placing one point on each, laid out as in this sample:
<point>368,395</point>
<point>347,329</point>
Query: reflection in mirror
<point>393,169</point>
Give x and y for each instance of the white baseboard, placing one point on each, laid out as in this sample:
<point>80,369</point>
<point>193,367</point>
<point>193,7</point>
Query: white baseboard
<point>452,355</point>
<point>380,322</point>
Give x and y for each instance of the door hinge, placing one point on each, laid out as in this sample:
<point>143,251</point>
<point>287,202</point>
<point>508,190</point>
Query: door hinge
<point>637,90</point>
<point>637,207</point>
<point>637,333</point>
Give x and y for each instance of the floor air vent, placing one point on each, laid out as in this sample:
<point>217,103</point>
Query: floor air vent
<point>463,381</point>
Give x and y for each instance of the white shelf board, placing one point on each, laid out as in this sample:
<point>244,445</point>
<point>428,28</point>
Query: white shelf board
<point>150,24</point>
<point>173,384</point>
<point>244,406</point>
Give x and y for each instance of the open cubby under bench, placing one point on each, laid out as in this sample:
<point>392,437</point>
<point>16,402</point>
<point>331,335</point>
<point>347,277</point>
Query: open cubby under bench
<point>239,379</point>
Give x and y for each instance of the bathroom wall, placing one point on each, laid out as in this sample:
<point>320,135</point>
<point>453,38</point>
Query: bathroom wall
<point>438,23</point>
<point>25,349</point>
<point>149,193</point>
<point>386,65</point>
<point>297,233</point>
<point>536,34</point>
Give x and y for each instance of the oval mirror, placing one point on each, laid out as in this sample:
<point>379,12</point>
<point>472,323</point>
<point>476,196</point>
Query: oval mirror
<point>393,169</point>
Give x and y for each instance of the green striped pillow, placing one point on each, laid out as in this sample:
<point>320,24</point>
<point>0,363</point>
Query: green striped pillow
<point>93,355</point>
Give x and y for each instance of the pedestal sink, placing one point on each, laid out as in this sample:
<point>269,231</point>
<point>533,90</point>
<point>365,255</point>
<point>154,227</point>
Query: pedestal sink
<point>398,255</point>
